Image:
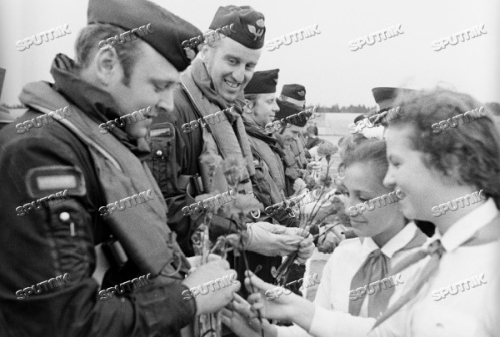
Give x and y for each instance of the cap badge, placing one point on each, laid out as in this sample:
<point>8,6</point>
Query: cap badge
<point>257,33</point>
<point>301,93</point>
<point>260,23</point>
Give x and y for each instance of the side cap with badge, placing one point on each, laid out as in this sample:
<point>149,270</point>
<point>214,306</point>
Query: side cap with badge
<point>294,93</point>
<point>248,24</point>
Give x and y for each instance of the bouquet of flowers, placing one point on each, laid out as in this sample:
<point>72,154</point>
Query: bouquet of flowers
<point>237,210</point>
<point>327,208</point>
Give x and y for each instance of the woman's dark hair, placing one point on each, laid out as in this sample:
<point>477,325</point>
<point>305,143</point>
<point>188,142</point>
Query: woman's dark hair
<point>87,44</point>
<point>469,153</point>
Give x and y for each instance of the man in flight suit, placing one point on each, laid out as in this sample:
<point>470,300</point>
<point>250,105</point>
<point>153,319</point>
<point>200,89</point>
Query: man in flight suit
<point>269,179</point>
<point>296,94</point>
<point>72,183</point>
<point>207,119</point>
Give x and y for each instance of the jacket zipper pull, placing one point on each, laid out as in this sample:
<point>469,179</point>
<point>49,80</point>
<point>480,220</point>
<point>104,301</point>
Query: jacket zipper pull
<point>65,217</point>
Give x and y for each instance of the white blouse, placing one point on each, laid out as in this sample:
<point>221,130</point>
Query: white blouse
<point>347,258</point>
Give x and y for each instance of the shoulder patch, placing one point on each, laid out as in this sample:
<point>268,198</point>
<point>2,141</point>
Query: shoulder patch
<point>44,180</point>
<point>164,129</point>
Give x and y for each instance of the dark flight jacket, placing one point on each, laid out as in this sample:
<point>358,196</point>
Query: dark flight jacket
<point>44,243</point>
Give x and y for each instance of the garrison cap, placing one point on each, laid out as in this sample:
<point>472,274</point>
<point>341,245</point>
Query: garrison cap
<point>248,24</point>
<point>294,93</point>
<point>169,30</point>
<point>263,82</point>
<point>288,109</point>
<point>359,118</point>
<point>385,96</point>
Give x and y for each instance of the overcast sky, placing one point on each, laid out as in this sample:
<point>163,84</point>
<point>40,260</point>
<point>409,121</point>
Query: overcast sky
<point>331,72</point>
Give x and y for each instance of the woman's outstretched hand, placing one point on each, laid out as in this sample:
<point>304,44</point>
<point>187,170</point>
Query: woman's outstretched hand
<point>240,318</point>
<point>262,298</point>
<point>288,307</point>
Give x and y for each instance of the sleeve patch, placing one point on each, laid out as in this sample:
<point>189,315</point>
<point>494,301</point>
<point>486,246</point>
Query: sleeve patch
<point>45,180</point>
<point>165,129</point>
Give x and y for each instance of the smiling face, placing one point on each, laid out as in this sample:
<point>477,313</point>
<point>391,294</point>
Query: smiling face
<point>230,66</point>
<point>151,84</point>
<point>362,183</point>
<point>264,108</point>
<point>423,188</point>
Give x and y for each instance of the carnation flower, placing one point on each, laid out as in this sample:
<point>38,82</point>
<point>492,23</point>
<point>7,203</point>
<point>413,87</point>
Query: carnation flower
<point>242,205</point>
<point>327,149</point>
<point>325,181</point>
<point>212,161</point>
<point>235,170</point>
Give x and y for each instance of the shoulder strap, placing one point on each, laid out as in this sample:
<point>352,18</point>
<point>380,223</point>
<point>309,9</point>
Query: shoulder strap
<point>143,233</point>
<point>230,138</point>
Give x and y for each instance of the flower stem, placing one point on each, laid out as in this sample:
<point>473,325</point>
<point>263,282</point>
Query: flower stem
<point>247,266</point>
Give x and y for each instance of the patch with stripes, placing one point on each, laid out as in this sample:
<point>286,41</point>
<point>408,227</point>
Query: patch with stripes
<point>44,180</point>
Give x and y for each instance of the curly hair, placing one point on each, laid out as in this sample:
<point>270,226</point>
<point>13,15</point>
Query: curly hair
<point>468,154</point>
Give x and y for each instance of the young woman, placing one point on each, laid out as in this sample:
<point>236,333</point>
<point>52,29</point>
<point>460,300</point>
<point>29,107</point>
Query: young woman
<point>444,155</point>
<point>356,278</point>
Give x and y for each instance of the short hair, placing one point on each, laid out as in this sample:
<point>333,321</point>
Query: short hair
<point>252,97</point>
<point>87,44</point>
<point>469,154</point>
<point>313,129</point>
